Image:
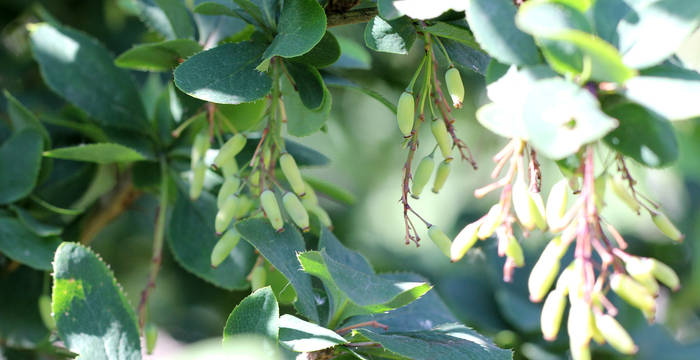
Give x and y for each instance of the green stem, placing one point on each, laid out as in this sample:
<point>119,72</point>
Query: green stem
<point>409,88</point>
<point>53,208</point>
<point>335,319</point>
<point>444,51</point>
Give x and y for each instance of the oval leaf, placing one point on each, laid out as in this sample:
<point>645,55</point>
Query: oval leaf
<point>395,36</point>
<point>302,25</point>
<point>325,53</point>
<point>20,244</point>
<point>20,160</point>
<point>170,18</point>
<point>258,313</point>
<point>160,56</point>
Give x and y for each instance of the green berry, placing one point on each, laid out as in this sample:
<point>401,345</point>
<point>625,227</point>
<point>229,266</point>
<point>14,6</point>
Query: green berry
<point>442,137</point>
<point>224,246</point>
<point>440,239</point>
<point>225,214</point>
<point>200,145</point>
<point>455,87</point>
<point>634,293</point>
<point>228,188</point>
<point>615,334</point>
<point>229,167</point>
<point>292,174</point>
<point>621,190</point>
<point>665,274</point>
<point>268,201</point>
<point>464,241</point>
<point>230,149</point>
<point>198,173</point>
<point>296,211</point>
<point>151,334</point>
<point>258,278</point>
<point>552,313</point>
<point>556,203</point>
<point>515,252</point>
<point>422,176</point>
<point>45,312</point>
<point>640,269</point>
<point>545,270</point>
<point>666,226</point>
<point>443,172</point>
<point>405,113</point>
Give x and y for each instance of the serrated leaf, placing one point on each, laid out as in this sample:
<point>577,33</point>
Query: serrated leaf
<point>20,160</point>
<point>101,153</point>
<point>303,336</point>
<point>325,53</point>
<point>161,56</point>
<point>191,237</point>
<point>308,83</point>
<point>453,32</point>
<point>70,61</point>
<point>560,117</point>
<point>449,341</point>
<point>37,227</point>
<point>280,250</point>
<point>301,26</point>
<point>642,135</point>
<point>20,323</point>
<point>92,314</point>
<point>257,313</point>
<point>640,41</point>
<point>225,74</point>
<point>168,17</point>
<point>21,118</point>
<point>667,90</point>
<point>504,42</point>
<point>394,36</point>
<point>301,121</point>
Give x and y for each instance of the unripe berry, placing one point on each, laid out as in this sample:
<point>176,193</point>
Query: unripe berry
<point>440,239</point>
<point>243,207</point>
<point>198,173</point>
<point>442,137</point>
<point>292,174</point>
<point>268,201</point>
<point>320,213</point>
<point>310,196</point>
<point>228,188</point>
<point>443,172</point>
<point>296,211</point>
<point>200,145</point>
<point>45,312</point>
<point>615,334</point>
<point>620,188</point>
<point>258,278</point>
<point>521,203</point>
<point>151,334</point>
<point>666,226</point>
<point>224,246</point>
<point>422,175</point>
<point>545,270</point>
<point>556,203</point>
<point>515,252</point>
<point>455,87</point>
<point>229,167</point>
<point>493,218</point>
<point>665,274</point>
<point>405,113</point>
<point>225,214</point>
<point>552,313</point>
<point>230,149</point>
<point>579,324</point>
<point>634,293</point>
<point>641,270</point>
<point>464,241</point>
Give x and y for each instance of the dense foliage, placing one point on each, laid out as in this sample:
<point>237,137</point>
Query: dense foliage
<point>208,118</point>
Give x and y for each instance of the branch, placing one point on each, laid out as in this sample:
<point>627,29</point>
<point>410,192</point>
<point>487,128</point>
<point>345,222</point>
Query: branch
<point>351,17</point>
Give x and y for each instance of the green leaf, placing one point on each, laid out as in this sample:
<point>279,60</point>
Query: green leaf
<point>325,53</point>
<point>352,55</point>
<point>101,153</point>
<point>465,57</point>
<point>302,25</point>
<point>607,15</point>
<point>308,83</point>
<point>20,160</point>
<point>303,336</point>
<point>668,90</point>
<point>284,292</point>
<point>341,82</point>
<point>21,118</point>
<point>161,56</point>
<point>642,135</point>
<point>92,314</point>
<point>20,323</point>
<point>70,62</point>
<point>503,41</point>
<point>387,10</point>
<point>560,117</point>
<point>332,190</point>
<point>453,32</point>
<point>449,341</point>
<point>394,36</point>
<point>258,313</point>
<point>654,30</point>
<point>168,17</point>
<point>214,8</point>
<point>191,237</point>
<point>243,116</point>
<point>37,227</point>
<point>225,74</point>
<point>280,250</point>
<point>304,155</point>
<point>301,121</point>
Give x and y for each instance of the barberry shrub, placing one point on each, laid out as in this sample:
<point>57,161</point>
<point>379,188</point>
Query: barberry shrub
<point>585,90</point>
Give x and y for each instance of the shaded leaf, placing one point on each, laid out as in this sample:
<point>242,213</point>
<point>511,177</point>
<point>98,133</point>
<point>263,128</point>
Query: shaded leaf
<point>101,153</point>
<point>466,57</point>
<point>325,53</point>
<point>303,336</point>
<point>20,323</point>
<point>257,313</point>
<point>308,84</point>
<point>168,17</point>
<point>92,314</point>
<point>301,121</point>
<point>20,160</point>
<point>453,32</point>
<point>394,36</point>
<point>21,118</point>
<point>243,116</point>
<point>161,56</point>
<point>387,10</point>
<point>39,228</point>
<point>352,55</point>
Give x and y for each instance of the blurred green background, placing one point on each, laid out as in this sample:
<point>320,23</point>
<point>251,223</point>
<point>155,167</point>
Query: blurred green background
<point>363,144</point>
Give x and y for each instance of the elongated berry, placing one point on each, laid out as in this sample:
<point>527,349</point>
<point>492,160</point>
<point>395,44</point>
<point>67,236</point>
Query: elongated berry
<point>229,167</point>
<point>521,203</point>
<point>621,190</point>
<point>464,241</point>
<point>556,203</point>
<point>292,174</point>
<point>634,293</point>
<point>224,246</point>
<point>268,201</point>
<point>198,173</point>
<point>515,252</point>
<point>243,207</point>
<point>537,210</point>
<point>455,87</point>
<point>615,334</point>
<point>230,149</point>
<point>405,113</point>
<point>442,137</point>
<point>666,226</point>
<point>45,312</point>
<point>552,313</point>
<point>422,175</point>
<point>545,271</point>
<point>296,211</point>
<point>579,324</point>
<point>225,214</point>
<point>228,188</point>
<point>310,196</point>
<point>151,334</point>
<point>441,175</point>
<point>200,145</point>
<point>320,213</point>
<point>258,278</point>
<point>493,218</point>
<point>640,269</point>
<point>440,239</point>
<point>665,274</point>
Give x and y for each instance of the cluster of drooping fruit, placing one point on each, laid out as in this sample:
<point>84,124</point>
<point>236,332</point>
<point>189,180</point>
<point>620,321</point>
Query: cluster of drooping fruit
<point>442,128</point>
<point>584,282</point>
